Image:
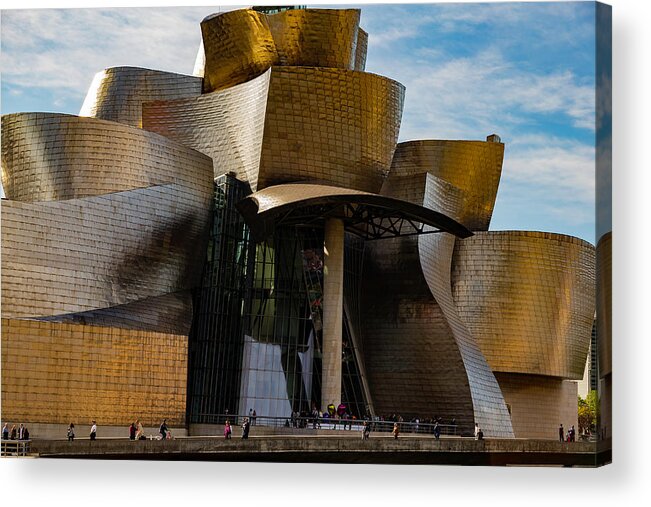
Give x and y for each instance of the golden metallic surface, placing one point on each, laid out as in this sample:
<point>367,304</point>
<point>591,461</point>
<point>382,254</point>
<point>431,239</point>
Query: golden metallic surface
<point>539,404</point>
<point>528,298</point>
<point>238,46</point>
<point>472,166</point>
<point>604,303</point>
<point>435,251</point>
<point>226,125</point>
<point>412,360</point>
<point>170,313</point>
<point>99,215</point>
<point>51,156</point>
<point>419,180</point>
<point>241,45</point>
<point>360,50</point>
<point>117,93</point>
<point>292,124</point>
<point>339,127</point>
<point>58,373</point>
<point>316,37</point>
<point>83,254</point>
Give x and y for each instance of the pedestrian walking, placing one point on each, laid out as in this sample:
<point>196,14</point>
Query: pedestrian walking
<point>561,432</point>
<point>71,432</point>
<point>246,426</point>
<point>396,431</point>
<point>132,431</point>
<point>5,432</point>
<point>93,431</point>
<point>366,431</point>
<point>227,430</point>
<point>21,431</point>
<point>479,434</point>
<point>437,430</point>
<point>163,429</point>
<point>13,432</point>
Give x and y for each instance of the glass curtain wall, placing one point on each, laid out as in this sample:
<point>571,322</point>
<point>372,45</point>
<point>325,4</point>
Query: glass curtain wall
<point>215,344</point>
<point>255,342</point>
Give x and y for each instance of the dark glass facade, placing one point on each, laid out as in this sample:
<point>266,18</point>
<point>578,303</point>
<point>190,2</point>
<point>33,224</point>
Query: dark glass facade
<point>256,337</point>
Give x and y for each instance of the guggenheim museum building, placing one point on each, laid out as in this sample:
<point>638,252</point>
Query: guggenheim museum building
<point>253,236</point>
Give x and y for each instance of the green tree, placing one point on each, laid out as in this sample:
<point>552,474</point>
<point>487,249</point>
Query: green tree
<point>588,412</point>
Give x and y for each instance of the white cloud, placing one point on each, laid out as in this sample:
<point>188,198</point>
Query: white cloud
<point>62,49</point>
<point>485,92</point>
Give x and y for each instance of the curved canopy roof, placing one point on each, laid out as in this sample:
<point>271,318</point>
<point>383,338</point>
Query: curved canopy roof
<point>370,216</point>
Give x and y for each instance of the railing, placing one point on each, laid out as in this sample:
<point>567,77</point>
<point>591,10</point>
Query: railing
<point>328,423</point>
<point>14,447</point>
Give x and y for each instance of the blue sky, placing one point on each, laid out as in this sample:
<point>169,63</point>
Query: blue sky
<point>525,71</point>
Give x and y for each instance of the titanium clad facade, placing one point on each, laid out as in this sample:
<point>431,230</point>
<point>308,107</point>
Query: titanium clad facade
<point>226,125</point>
<point>56,373</point>
<point>292,124</point>
<point>118,93</point>
<point>324,38</point>
<point>141,244</point>
<point>334,126</point>
<point>538,404</point>
<point>238,46</point>
<point>55,157</point>
<point>361,50</point>
<point>529,299</point>
<point>242,44</point>
<point>413,363</point>
<point>472,166</point>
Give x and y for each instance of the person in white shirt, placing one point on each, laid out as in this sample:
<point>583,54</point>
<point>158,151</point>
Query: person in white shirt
<point>93,431</point>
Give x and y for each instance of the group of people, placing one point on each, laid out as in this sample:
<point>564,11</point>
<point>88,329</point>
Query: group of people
<point>246,427</point>
<point>569,436</point>
<point>20,433</point>
<point>137,431</point>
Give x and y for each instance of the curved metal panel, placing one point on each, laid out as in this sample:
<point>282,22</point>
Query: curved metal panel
<point>334,126</point>
<point>241,45</point>
<point>98,252</point>
<point>238,46</point>
<point>292,124</point>
<point>604,303</point>
<point>413,363</point>
<point>435,252</point>
<point>528,298</point>
<point>49,156</point>
<point>360,50</point>
<point>226,125</point>
<point>170,313</point>
<point>316,37</point>
<point>539,404</point>
<point>117,93</point>
<point>57,373</point>
<point>472,166</point>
